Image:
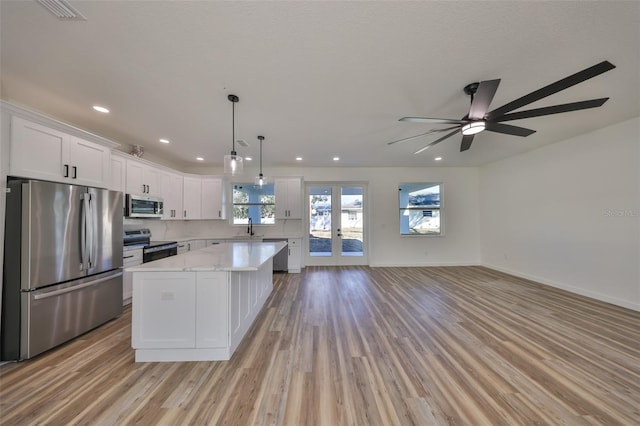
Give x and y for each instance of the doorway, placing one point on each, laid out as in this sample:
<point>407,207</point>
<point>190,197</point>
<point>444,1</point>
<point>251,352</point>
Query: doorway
<point>336,226</point>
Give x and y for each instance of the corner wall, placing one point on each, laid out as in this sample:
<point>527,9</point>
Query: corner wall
<point>568,214</point>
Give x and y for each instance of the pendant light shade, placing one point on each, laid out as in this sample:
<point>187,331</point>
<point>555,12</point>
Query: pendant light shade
<point>233,164</point>
<point>260,179</point>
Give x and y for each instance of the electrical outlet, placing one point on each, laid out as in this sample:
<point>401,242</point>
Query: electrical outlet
<point>167,295</point>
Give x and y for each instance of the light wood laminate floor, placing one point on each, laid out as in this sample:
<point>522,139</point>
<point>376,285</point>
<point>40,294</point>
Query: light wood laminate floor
<point>364,346</point>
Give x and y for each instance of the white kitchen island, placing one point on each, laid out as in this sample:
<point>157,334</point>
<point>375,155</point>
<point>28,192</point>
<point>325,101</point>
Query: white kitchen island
<point>197,306</point>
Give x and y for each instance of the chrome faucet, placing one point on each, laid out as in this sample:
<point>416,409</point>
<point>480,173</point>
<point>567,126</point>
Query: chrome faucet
<point>250,227</point>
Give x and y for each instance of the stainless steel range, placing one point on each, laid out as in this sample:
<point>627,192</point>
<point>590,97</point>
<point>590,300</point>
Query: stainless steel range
<point>151,250</point>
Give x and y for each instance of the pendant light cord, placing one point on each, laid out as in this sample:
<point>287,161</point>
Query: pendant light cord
<point>233,128</point>
<point>261,156</point>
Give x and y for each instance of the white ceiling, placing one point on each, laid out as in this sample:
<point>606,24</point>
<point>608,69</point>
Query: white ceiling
<point>317,79</point>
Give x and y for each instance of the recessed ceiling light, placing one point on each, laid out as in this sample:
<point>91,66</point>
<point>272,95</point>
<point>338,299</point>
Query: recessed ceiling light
<point>101,109</point>
<point>298,158</point>
<point>248,158</point>
<point>164,140</point>
<point>199,158</point>
<point>437,159</point>
<point>336,158</point>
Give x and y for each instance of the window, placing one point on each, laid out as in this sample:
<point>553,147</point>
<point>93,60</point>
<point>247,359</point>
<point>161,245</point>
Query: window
<point>420,208</point>
<point>253,202</point>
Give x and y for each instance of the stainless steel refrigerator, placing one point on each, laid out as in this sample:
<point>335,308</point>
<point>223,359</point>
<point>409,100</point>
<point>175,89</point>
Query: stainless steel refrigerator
<point>62,264</point>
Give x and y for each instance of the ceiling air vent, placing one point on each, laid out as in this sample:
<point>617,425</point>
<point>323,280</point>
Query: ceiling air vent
<point>62,10</point>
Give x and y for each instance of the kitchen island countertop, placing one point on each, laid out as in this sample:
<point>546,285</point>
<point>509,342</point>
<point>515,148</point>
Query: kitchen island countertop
<point>230,256</point>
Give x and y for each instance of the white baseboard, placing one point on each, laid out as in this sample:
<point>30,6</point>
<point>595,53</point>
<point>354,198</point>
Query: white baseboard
<point>420,265</point>
<point>591,294</point>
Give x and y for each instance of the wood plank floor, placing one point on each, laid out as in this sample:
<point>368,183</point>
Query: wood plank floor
<point>363,346</point>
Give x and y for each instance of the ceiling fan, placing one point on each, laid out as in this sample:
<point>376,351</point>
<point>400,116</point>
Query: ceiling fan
<point>480,118</point>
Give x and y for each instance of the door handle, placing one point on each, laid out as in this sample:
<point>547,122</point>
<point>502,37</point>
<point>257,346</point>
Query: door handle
<point>75,288</point>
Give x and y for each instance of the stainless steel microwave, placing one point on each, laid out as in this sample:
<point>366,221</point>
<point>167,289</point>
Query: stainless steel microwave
<point>143,206</point>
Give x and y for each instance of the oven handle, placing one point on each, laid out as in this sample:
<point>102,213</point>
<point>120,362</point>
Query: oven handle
<point>161,248</point>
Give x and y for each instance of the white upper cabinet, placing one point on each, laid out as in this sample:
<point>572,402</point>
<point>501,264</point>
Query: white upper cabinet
<point>213,198</point>
<point>40,152</point>
<point>192,198</point>
<point>172,195</point>
<point>118,173</point>
<point>288,193</point>
<point>90,163</point>
<point>143,178</point>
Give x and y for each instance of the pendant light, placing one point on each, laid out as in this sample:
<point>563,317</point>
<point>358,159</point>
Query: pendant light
<point>233,162</point>
<point>260,179</point>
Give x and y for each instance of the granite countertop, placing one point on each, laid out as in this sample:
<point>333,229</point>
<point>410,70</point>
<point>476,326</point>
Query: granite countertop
<point>231,256</point>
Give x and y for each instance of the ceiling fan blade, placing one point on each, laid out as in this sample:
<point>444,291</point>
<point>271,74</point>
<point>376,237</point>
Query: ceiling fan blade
<point>423,134</point>
<point>482,99</point>
<point>552,88</point>
<point>466,142</point>
<point>507,129</point>
<point>433,120</point>
<point>555,109</point>
<point>437,141</point>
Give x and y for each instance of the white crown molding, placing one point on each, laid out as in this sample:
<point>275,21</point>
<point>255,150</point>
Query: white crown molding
<point>45,120</point>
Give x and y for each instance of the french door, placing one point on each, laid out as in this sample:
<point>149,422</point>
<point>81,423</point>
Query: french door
<point>336,226</point>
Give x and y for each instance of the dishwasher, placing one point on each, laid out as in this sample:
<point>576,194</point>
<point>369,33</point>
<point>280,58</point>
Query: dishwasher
<point>281,259</point>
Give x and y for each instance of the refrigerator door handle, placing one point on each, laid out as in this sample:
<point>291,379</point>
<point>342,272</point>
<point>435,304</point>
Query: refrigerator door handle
<point>83,231</point>
<point>74,288</point>
<point>94,231</point>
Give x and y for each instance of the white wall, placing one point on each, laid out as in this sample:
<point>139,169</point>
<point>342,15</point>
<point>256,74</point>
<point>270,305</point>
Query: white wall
<point>568,214</point>
<point>459,245</point>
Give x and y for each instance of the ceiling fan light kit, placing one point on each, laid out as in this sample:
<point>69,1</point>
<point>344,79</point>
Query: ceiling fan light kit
<point>473,128</point>
<point>480,118</point>
<point>233,162</point>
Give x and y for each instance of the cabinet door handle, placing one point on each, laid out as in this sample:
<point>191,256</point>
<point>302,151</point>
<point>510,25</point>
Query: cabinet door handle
<point>75,172</point>
<point>219,213</point>
<point>127,257</point>
<point>185,215</point>
<point>66,170</point>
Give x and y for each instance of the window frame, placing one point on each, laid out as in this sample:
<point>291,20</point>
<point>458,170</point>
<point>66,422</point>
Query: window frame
<point>440,208</point>
<point>248,205</point>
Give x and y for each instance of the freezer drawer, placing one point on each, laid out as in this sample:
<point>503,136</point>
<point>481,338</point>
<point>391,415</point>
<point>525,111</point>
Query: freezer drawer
<point>53,315</point>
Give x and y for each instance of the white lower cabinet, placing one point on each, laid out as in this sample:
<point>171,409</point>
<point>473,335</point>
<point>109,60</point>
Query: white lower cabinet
<point>163,310</point>
<point>183,247</point>
<point>195,316</point>
<point>130,257</point>
<point>212,322</point>
<point>295,255</point>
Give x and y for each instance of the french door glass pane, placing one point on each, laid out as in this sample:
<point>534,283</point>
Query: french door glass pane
<point>320,240</point>
<point>351,220</point>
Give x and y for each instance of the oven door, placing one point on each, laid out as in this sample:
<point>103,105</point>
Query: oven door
<point>150,255</point>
